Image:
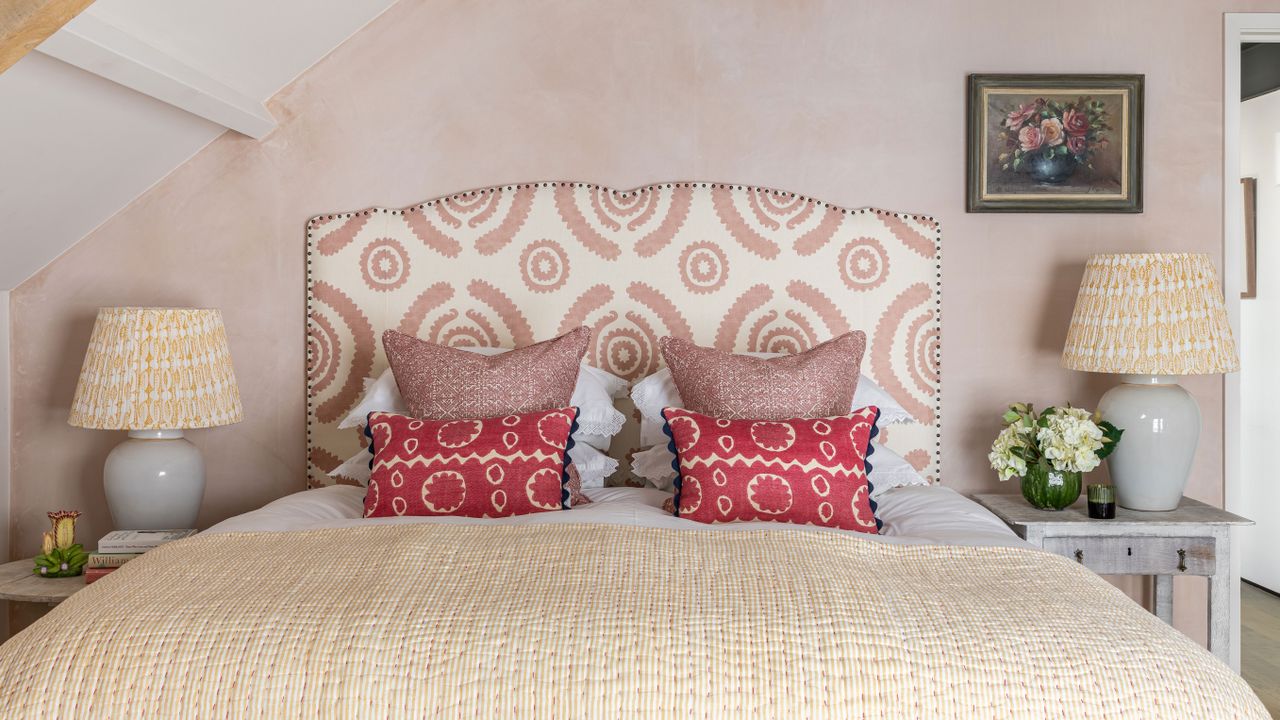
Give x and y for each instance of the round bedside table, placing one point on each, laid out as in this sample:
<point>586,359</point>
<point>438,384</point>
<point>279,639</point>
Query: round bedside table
<point>19,584</point>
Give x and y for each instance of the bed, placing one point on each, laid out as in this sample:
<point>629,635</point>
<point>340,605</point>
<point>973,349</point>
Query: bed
<point>613,609</point>
<point>911,515</point>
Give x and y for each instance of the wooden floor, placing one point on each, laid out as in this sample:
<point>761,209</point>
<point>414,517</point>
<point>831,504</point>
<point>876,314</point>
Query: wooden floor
<point>1260,644</point>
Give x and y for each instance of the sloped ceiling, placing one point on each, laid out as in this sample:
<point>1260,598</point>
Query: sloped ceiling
<point>77,147</point>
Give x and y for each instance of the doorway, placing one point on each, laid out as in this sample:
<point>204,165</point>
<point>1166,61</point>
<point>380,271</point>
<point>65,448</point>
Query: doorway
<point>1259,190</point>
<point>1251,284</point>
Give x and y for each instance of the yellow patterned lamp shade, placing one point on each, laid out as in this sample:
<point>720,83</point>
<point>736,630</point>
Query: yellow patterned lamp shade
<point>156,368</point>
<point>1150,314</point>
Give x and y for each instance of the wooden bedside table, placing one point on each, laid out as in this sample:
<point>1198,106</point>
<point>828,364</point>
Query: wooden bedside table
<point>19,584</point>
<point>1195,539</point>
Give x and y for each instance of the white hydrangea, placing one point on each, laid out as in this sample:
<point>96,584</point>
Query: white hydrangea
<point>1003,461</point>
<point>1070,440</point>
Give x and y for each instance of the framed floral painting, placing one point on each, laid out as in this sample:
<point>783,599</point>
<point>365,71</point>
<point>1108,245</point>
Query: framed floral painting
<point>1055,143</point>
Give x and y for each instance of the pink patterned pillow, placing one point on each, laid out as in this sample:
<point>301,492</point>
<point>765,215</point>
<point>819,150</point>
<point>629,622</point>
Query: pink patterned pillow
<point>816,383</point>
<point>491,467</point>
<point>444,383</point>
<point>808,471</point>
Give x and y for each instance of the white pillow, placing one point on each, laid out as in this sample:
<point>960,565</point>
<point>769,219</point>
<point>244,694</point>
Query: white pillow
<point>355,468</point>
<point>593,466</point>
<point>659,391</point>
<point>380,395</point>
<point>598,419</point>
<point>615,386</point>
<point>888,468</point>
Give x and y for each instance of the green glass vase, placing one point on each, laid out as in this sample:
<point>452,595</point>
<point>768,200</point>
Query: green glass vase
<point>1050,489</point>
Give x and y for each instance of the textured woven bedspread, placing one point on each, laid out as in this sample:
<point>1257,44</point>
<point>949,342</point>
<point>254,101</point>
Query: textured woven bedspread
<point>579,621</point>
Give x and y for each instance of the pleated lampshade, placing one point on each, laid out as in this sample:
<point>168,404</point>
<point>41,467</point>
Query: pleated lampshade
<point>156,368</point>
<point>1150,314</point>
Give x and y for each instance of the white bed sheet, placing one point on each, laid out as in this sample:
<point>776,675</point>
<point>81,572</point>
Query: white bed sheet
<point>911,515</point>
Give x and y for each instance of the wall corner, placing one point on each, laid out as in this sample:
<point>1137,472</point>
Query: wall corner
<point>6,412</point>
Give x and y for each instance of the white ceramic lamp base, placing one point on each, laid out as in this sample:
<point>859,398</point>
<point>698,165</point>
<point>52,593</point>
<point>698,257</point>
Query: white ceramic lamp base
<point>154,481</point>
<point>1161,423</point>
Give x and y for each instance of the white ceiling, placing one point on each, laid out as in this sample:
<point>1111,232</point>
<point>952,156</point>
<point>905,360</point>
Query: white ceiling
<point>77,147</point>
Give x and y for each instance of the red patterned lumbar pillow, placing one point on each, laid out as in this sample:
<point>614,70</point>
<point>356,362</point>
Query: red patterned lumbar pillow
<point>444,383</point>
<point>810,471</point>
<point>816,383</point>
<point>494,467</point>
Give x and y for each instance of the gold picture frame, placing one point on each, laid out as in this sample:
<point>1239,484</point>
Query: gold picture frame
<point>1055,143</point>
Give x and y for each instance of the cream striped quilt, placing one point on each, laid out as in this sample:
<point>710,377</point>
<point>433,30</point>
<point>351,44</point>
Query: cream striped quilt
<point>472,621</point>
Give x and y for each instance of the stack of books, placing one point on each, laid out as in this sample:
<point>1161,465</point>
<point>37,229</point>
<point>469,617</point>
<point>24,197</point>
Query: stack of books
<point>119,547</point>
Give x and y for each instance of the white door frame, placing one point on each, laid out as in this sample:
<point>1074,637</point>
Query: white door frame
<point>1239,27</point>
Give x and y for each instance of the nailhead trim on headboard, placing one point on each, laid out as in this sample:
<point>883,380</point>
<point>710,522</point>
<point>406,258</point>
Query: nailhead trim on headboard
<point>739,231</point>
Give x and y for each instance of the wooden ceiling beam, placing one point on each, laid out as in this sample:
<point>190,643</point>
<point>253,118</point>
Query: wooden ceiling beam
<point>24,24</point>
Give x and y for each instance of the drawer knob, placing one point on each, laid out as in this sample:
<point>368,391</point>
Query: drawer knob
<point>1182,560</point>
<point>1080,556</point>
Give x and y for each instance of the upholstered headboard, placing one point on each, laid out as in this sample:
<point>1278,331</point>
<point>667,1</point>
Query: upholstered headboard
<point>731,266</point>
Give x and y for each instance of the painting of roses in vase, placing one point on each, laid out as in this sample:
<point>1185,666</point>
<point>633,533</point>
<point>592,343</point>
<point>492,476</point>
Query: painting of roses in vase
<point>1055,143</point>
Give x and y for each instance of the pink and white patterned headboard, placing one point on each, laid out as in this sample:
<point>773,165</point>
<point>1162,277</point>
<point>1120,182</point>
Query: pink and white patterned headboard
<point>731,266</point>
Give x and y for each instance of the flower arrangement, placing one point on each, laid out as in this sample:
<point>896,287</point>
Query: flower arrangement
<point>1047,130</point>
<point>61,555</point>
<point>1050,449</point>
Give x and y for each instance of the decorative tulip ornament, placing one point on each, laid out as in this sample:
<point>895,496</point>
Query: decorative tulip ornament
<point>61,555</point>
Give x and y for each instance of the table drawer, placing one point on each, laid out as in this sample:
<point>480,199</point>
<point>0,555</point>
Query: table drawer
<point>1138,555</point>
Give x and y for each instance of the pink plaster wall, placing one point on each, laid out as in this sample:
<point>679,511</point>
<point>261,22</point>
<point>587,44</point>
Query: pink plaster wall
<point>851,102</point>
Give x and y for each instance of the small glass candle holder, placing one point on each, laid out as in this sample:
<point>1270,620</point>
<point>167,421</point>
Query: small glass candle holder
<point>1102,502</point>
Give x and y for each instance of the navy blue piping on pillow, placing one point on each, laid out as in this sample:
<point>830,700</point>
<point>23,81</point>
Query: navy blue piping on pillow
<point>866,464</point>
<point>675,461</point>
<point>369,447</point>
<point>866,467</point>
<point>564,472</point>
<point>372,455</point>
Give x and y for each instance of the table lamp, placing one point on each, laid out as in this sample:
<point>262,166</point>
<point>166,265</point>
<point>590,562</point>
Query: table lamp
<point>1150,317</point>
<point>156,372</point>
